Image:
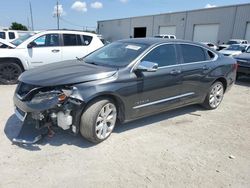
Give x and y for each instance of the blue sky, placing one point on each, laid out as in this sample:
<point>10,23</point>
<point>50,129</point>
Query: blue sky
<point>76,15</point>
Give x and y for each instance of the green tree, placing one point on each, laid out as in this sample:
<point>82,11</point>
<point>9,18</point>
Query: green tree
<point>18,26</point>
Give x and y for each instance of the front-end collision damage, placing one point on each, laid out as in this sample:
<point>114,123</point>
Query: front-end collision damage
<point>42,108</point>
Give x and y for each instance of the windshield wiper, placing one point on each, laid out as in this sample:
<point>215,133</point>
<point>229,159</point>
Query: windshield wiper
<point>92,63</point>
<point>79,58</point>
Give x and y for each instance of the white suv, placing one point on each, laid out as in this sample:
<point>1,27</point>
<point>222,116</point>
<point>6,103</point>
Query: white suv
<point>44,48</point>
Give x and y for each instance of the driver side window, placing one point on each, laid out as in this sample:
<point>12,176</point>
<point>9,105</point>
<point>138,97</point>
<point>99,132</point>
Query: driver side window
<point>163,55</point>
<point>47,40</point>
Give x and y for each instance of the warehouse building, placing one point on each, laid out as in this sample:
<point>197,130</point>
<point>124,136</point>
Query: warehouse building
<point>216,25</point>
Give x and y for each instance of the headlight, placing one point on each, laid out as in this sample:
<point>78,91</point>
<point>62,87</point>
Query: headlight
<point>46,96</point>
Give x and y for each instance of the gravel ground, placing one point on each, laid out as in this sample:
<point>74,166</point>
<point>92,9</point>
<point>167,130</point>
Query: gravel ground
<point>188,147</point>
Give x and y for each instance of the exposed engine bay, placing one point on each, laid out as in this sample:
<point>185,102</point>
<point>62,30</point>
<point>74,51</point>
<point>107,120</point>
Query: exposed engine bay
<point>42,108</point>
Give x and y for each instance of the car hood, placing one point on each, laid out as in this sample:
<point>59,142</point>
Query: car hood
<point>244,56</point>
<point>224,45</point>
<point>10,45</point>
<point>230,52</point>
<point>65,73</point>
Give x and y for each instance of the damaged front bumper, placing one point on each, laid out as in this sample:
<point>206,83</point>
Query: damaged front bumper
<point>43,111</point>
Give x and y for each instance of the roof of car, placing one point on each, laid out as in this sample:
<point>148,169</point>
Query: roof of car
<point>68,31</point>
<point>152,41</point>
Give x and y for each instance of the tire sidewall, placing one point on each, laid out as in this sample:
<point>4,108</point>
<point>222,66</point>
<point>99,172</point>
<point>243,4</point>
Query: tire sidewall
<point>6,82</point>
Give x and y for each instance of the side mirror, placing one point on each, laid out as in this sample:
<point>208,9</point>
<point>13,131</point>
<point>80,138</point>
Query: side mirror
<point>147,66</point>
<point>31,45</point>
<point>243,50</point>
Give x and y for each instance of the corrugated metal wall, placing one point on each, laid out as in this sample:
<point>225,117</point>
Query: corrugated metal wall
<point>232,22</point>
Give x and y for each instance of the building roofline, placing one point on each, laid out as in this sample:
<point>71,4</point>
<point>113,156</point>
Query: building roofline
<point>187,11</point>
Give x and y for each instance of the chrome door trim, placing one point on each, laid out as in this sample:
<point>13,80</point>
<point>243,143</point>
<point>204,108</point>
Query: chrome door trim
<point>139,58</point>
<point>163,100</point>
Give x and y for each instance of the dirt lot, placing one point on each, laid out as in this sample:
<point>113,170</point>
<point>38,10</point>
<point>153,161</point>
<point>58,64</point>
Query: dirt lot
<point>188,147</point>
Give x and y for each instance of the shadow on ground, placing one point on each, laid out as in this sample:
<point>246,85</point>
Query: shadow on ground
<point>243,81</point>
<point>13,126</point>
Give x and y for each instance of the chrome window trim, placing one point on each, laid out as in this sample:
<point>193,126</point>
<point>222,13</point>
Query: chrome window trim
<point>139,58</point>
<point>163,100</point>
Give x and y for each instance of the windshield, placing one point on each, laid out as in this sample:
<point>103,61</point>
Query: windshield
<point>116,54</point>
<point>232,42</point>
<point>236,48</point>
<point>21,39</point>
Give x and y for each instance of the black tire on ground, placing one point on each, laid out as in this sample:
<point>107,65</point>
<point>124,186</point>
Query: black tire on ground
<point>238,76</point>
<point>9,72</point>
<point>206,102</point>
<point>89,118</point>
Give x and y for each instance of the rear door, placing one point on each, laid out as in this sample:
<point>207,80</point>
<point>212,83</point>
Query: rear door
<point>75,45</point>
<point>196,62</point>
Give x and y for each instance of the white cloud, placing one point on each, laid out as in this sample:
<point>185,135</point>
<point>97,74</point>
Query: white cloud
<point>124,1</point>
<point>58,10</point>
<point>80,6</point>
<point>96,5</point>
<point>210,6</point>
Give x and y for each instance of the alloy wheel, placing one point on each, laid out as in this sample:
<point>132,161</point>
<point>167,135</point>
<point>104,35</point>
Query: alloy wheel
<point>216,95</point>
<point>105,121</point>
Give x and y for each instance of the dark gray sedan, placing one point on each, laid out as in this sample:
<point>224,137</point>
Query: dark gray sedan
<point>125,80</point>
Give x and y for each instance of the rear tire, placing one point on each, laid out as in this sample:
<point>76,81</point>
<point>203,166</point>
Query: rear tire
<point>98,120</point>
<point>214,96</point>
<point>9,72</point>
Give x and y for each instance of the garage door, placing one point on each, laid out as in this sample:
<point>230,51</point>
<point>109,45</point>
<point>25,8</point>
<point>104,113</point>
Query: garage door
<point>206,33</point>
<point>169,30</point>
<point>247,35</point>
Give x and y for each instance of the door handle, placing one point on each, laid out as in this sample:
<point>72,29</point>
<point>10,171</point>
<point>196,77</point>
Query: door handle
<point>175,72</point>
<point>55,51</point>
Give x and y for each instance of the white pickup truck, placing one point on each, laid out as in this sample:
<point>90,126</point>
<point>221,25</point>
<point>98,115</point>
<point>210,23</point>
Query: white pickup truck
<point>46,47</point>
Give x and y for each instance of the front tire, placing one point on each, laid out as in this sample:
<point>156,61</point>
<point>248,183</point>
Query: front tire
<point>98,120</point>
<point>214,96</point>
<point>9,73</point>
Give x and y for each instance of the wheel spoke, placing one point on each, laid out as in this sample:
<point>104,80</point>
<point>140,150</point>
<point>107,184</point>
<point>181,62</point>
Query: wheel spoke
<point>104,130</point>
<point>99,127</point>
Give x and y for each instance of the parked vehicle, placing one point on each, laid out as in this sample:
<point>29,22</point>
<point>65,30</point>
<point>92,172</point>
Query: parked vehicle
<point>232,41</point>
<point>44,48</point>
<point>243,61</point>
<point>211,45</point>
<point>104,41</point>
<point>165,36</point>
<point>8,35</point>
<point>125,80</point>
<point>5,44</point>
<point>235,49</point>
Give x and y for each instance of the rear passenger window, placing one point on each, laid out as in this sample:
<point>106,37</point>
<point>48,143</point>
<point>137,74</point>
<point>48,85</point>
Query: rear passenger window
<point>164,55</point>
<point>11,35</point>
<point>87,39</point>
<point>72,40</point>
<point>210,55</point>
<point>192,53</point>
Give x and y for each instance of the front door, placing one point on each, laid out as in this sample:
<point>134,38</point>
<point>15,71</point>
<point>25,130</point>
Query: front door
<point>158,90</point>
<point>45,49</point>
